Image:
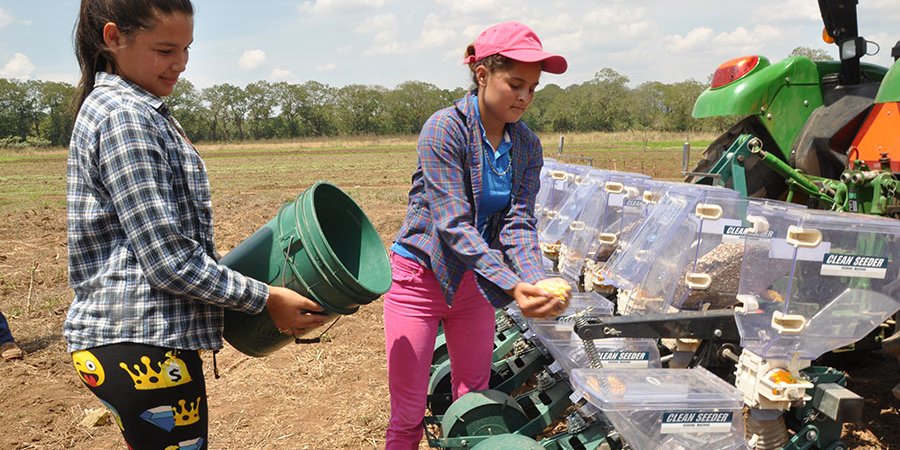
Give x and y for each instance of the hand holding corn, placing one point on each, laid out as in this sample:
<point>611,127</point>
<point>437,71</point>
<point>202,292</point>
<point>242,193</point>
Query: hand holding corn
<point>560,291</point>
<point>535,301</point>
<point>559,288</point>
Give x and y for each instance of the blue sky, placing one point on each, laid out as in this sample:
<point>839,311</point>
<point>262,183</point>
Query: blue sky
<point>386,42</point>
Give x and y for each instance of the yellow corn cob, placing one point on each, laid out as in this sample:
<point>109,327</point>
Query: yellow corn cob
<point>557,287</point>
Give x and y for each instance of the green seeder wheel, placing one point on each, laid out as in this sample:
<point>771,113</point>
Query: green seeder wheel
<point>508,442</point>
<point>483,413</point>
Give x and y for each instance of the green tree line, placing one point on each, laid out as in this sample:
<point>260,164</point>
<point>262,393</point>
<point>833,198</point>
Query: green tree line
<point>36,113</point>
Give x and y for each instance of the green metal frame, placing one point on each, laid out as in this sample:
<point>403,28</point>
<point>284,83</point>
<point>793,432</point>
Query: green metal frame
<point>815,430</point>
<point>508,441</point>
<point>731,166</point>
<point>506,375</point>
<point>590,438</point>
<point>889,91</point>
<point>782,94</point>
<point>541,408</point>
<point>859,190</point>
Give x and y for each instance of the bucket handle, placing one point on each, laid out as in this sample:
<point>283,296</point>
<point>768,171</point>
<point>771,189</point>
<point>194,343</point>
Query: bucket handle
<point>289,265</point>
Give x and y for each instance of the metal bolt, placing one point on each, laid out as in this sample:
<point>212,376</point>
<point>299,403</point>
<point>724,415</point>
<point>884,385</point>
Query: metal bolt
<point>805,102</point>
<point>769,116</point>
<point>740,158</point>
<point>464,443</point>
<point>717,333</point>
<point>811,435</point>
<point>787,79</point>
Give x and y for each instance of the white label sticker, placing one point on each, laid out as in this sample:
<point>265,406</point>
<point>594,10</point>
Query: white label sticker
<point>856,266</point>
<point>718,226</point>
<point>677,422</point>
<point>625,359</point>
<point>635,204</point>
<point>733,233</point>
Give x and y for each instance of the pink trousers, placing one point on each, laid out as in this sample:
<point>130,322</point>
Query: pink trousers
<point>412,310</point>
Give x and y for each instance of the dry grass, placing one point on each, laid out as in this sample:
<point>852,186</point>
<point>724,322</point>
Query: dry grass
<point>358,142</point>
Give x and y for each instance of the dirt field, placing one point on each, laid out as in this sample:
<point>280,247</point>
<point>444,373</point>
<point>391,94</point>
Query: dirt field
<point>331,395</point>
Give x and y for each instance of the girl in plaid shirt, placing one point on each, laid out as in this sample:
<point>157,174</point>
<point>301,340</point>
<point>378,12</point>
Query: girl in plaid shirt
<point>469,242</point>
<point>149,293</point>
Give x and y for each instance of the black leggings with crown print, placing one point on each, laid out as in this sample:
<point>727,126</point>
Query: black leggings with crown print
<point>155,395</point>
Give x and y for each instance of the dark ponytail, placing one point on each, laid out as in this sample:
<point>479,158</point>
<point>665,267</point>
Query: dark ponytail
<point>129,15</point>
<point>492,63</point>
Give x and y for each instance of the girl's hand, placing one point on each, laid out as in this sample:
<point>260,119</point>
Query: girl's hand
<point>293,313</point>
<point>558,287</point>
<point>535,301</point>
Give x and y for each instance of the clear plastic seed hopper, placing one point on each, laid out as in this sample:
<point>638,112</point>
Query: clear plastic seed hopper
<point>666,409</point>
<point>558,182</point>
<point>816,282</point>
<point>659,269</point>
<point>810,282</point>
<point>596,231</point>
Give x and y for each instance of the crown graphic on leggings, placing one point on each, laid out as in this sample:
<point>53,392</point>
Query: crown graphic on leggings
<point>172,372</point>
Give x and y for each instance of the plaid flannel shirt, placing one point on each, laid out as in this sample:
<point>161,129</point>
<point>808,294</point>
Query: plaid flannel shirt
<point>439,228</point>
<point>140,230</point>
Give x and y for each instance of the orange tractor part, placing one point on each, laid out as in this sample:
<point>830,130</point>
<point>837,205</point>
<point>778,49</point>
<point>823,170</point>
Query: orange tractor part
<point>879,134</point>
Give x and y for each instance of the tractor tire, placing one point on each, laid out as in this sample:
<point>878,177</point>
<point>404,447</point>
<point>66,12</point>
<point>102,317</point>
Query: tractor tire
<point>762,182</point>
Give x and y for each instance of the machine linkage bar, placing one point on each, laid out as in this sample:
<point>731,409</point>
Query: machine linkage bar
<point>716,325</point>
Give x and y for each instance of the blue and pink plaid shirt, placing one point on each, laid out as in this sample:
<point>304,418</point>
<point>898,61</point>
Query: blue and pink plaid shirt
<point>440,225</point>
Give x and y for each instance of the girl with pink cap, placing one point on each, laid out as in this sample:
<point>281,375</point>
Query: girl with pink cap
<point>468,243</point>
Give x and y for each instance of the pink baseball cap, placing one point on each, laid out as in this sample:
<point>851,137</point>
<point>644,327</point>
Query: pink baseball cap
<point>515,41</point>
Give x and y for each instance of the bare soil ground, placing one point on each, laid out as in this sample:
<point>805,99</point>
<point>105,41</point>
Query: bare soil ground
<point>331,395</point>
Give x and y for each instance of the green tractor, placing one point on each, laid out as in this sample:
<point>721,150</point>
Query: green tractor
<point>827,127</point>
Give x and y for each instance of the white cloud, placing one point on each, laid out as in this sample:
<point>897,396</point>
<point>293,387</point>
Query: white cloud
<point>5,18</point>
<point>695,38</point>
<point>436,33</point>
<point>384,31</point>
<point>337,6</point>
<point>740,37</point>
<point>606,29</point>
<point>252,59</point>
<point>469,7</point>
<point>19,66</point>
<point>564,43</point>
<point>789,11</point>
<point>883,6</point>
<point>326,67</point>
<point>377,23</point>
<point>739,41</point>
<point>279,74</point>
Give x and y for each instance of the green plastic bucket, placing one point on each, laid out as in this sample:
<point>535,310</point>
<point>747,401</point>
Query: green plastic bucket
<point>322,246</point>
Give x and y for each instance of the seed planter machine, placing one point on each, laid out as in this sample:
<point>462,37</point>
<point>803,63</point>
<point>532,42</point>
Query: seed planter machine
<point>742,295</point>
